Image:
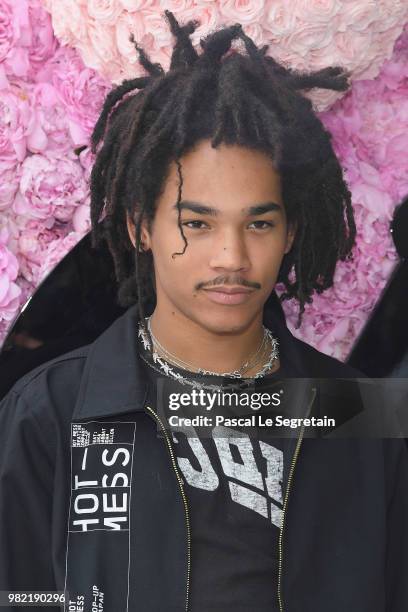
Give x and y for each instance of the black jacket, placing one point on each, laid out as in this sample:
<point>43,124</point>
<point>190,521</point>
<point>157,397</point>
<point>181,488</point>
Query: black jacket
<point>109,521</point>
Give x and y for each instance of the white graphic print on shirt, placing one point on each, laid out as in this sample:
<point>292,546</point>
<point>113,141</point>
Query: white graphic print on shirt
<point>243,476</point>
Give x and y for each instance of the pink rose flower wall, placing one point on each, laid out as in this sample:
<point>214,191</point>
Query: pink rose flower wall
<point>59,58</point>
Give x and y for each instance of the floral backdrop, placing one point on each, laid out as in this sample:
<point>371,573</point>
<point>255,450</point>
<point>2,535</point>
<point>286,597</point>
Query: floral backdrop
<point>59,58</point>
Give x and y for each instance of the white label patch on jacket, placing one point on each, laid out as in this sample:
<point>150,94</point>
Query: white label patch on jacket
<point>101,477</point>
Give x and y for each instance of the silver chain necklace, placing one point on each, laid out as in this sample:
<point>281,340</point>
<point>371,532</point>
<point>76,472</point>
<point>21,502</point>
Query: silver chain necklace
<point>188,366</point>
<point>166,368</point>
<point>236,386</point>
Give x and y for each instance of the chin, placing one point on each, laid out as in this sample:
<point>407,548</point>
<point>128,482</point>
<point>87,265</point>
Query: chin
<point>226,322</point>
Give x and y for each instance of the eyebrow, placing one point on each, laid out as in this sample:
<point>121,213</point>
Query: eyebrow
<point>204,209</point>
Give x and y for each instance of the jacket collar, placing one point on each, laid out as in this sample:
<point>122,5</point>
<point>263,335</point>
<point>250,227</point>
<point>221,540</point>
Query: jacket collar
<point>113,381</point>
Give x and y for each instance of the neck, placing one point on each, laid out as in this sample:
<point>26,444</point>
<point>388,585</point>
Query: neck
<point>203,348</point>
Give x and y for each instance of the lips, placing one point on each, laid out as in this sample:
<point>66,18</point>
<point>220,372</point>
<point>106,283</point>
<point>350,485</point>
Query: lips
<point>228,295</point>
<point>230,290</point>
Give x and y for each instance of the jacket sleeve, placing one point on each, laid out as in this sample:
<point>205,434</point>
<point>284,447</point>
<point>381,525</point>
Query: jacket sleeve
<point>396,466</point>
<point>26,485</point>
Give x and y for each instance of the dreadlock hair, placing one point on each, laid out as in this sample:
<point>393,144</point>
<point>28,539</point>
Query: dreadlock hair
<point>230,96</point>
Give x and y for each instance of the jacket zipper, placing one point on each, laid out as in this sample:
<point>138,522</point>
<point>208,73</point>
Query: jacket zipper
<point>183,495</point>
<point>285,502</point>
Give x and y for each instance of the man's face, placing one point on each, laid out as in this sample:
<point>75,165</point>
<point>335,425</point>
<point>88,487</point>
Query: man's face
<point>235,248</point>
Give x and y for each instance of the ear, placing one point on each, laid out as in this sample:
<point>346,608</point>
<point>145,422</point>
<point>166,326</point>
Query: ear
<point>291,234</point>
<point>144,234</point>
<point>131,229</point>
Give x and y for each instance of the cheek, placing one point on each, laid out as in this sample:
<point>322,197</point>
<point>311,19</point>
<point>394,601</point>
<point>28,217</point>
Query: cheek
<point>183,263</point>
<point>268,251</point>
<point>266,260</point>
<point>178,271</point>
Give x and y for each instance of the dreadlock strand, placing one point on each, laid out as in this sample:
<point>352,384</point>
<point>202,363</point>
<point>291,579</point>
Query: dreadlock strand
<point>254,53</point>
<point>217,43</point>
<point>104,166</point>
<point>112,98</point>
<point>154,69</point>
<point>131,140</point>
<point>191,93</point>
<point>180,185</point>
<point>184,53</point>
<point>335,78</point>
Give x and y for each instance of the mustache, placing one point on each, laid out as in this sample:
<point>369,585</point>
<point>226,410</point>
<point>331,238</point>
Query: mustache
<point>228,280</point>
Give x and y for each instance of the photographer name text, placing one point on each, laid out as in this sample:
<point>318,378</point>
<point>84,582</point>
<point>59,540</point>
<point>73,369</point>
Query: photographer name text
<point>253,420</point>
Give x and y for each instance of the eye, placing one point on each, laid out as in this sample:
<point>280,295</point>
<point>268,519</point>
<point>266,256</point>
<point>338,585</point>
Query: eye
<point>265,226</point>
<point>187,223</point>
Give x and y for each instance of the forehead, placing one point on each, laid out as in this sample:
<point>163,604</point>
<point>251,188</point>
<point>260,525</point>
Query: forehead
<point>228,172</point>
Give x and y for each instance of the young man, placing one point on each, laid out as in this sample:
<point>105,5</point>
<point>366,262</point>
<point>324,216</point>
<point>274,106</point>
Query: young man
<point>217,180</point>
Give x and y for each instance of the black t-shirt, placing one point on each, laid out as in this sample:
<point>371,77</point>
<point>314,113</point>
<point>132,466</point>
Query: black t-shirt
<point>233,477</point>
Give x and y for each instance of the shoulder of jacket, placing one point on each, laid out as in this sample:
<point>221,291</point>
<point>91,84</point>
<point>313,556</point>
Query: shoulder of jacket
<point>66,369</point>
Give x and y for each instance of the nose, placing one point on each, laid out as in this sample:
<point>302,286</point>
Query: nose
<point>229,252</point>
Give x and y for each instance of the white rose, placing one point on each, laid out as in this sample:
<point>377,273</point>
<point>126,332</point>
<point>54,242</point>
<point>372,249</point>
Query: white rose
<point>279,19</point>
<point>100,52</point>
<point>321,11</point>
<point>308,36</point>
<point>104,11</point>
<point>241,11</point>
<point>135,5</point>
<point>353,47</point>
<point>358,15</point>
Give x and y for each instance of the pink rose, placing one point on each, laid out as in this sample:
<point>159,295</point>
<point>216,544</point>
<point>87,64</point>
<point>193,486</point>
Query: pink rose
<point>8,34</point>
<point>372,198</point>
<point>48,129</point>
<point>80,90</point>
<point>34,240</point>
<point>14,118</point>
<point>8,185</point>
<point>50,187</point>
<point>8,261</point>
<point>43,43</point>
<point>81,220</point>
<point>17,62</point>
<point>87,160</point>
<point>9,291</point>
<point>35,237</point>
<point>394,73</point>
<point>396,150</point>
<point>32,38</point>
